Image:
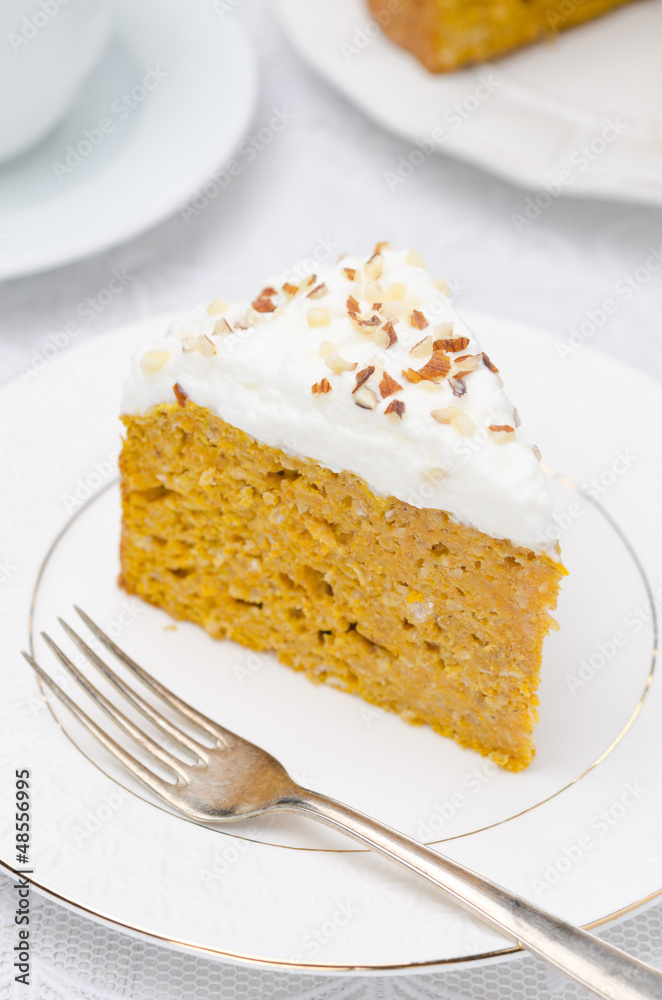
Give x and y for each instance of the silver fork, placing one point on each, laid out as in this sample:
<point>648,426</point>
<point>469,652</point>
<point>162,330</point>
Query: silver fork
<point>233,779</point>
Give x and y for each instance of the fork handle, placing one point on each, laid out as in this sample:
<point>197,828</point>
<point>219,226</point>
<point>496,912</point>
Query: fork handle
<point>606,971</point>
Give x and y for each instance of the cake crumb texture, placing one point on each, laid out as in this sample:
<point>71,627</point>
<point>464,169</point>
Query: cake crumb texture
<point>447,34</point>
<point>417,614</point>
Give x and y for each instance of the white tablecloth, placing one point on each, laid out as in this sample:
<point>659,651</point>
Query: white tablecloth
<point>320,186</point>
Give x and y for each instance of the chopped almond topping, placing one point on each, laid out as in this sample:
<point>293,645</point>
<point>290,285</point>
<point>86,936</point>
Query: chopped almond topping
<point>386,336</point>
<point>322,387</point>
<point>222,328</point>
<point>395,292</point>
<point>366,326</point>
<point>318,317</point>
<point>217,307</point>
<point>464,424</point>
<point>350,272</point>
<point>318,291</point>
<point>397,407</point>
<point>423,347</point>
<point>290,290</point>
<point>154,361</point>
<point>444,329</point>
<point>418,320</point>
<point>353,306</point>
<point>190,340</point>
<point>414,258</point>
<point>447,414</point>
<point>458,386</point>
<point>180,394</point>
<point>468,363</point>
<point>392,311</point>
<point>365,398</point>
<point>312,280</point>
<point>502,433</point>
<point>338,364</point>
<point>326,347</point>
<point>263,305</point>
<point>437,367</point>
<point>391,334</point>
<point>374,267</point>
<point>363,376</point>
<point>488,364</point>
<point>205,345</point>
<point>455,417</point>
<point>452,344</point>
<point>388,385</point>
<point>268,292</point>
<point>373,292</point>
<point>384,245</point>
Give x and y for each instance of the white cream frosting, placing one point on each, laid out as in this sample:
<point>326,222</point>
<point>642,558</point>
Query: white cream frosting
<point>257,370</point>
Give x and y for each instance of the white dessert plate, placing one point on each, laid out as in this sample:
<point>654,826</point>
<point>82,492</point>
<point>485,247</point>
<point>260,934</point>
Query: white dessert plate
<point>581,115</point>
<point>161,114</point>
<point>578,831</point>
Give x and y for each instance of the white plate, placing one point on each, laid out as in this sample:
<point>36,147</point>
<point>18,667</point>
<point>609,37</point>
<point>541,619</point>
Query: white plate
<point>578,831</point>
<point>541,106</point>
<point>151,148</point>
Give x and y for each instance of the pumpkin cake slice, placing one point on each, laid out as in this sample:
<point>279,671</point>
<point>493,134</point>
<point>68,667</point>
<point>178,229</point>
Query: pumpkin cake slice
<point>445,35</point>
<point>335,473</point>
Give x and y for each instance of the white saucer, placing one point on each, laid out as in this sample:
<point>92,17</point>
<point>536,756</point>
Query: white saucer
<point>577,832</point>
<point>525,117</point>
<point>145,154</point>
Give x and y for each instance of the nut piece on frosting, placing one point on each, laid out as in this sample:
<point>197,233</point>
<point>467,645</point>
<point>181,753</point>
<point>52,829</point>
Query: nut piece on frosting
<point>374,267</point>
<point>338,364</point>
<point>365,398</point>
<point>502,433</point>
<point>318,317</point>
<point>218,307</point>
<point>153,361</point>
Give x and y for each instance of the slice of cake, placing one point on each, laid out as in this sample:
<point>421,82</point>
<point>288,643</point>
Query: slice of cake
<point>447,34</point>
<point>334,473</point>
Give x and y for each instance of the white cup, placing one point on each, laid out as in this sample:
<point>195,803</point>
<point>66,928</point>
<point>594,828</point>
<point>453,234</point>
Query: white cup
<point>47,49</point>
